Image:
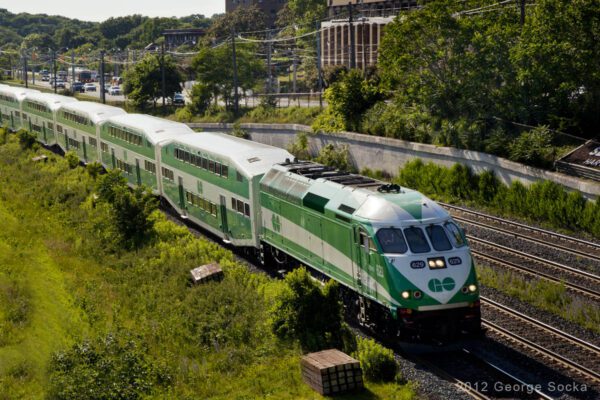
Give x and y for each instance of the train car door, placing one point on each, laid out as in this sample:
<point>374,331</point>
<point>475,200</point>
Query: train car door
<point>181,194</point>
<point>223,211</point>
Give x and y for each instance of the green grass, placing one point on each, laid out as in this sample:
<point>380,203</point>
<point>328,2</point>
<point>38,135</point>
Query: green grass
<point>62,280</point>
<point>545,295</point>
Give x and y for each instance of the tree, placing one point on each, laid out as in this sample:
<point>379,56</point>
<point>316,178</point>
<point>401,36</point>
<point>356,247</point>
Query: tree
<point>557,60</point>
<point>143,83</point>
<point>242,19</point>
<point>350,97</point>
<point>302,12</point>
<point>131,209</point>
<point>307,312</point>
<point>214,70</point>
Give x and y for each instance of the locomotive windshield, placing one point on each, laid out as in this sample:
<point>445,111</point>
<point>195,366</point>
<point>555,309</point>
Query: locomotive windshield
<point>438,238</point>
<point>392,241</point>
<point>398,241</point>
<point>416,240</point>
<point>455,234</point>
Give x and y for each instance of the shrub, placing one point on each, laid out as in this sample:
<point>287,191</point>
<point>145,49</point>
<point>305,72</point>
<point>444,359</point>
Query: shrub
<point>299,148</point>
<point>26,139</point>
<point>72,159</point>
<point>239,132</point>
<point>201,98</point>
<point>184,114</point>
<point>376,361</point>
<point>534,147</point>
<point>94,169</point>
<point>337,158</point>
<point>3,135</point>
<point>113,367</point>
<point>131,208</point>
<point>308,312</point>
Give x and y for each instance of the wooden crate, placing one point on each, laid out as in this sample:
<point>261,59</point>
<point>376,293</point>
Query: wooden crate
<point>205,273</point>
<point>331,372</point>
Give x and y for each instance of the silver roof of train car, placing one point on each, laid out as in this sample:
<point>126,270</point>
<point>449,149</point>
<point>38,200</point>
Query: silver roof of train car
<point>53,101</point>
<point>96,112</point>
<point>18,92</point>
<point>251,158</point>
<point>156,130</point>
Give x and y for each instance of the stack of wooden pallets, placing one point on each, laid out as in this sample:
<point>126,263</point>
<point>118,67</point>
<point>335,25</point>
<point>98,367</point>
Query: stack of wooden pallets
<point>331,372</point>
<point>207,273</point>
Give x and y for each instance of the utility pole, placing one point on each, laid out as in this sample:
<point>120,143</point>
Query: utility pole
<point>33,69</point>
<point>352,39</point>
<point>319,66</point>
<point>235,74</point>
<point>162,73</point>
<point>25,68</point>
<point>270,74</point>
<point>102,94</point>
<point>54,68</point>
<point>295,69</point>
<point>72,68</point>
<point>523,12</point>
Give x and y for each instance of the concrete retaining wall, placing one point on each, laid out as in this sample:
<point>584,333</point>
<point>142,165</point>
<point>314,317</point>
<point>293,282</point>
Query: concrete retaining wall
<point>387,154</point>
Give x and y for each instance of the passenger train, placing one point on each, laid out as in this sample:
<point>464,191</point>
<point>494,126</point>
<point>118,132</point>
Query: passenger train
<point>403,264</point>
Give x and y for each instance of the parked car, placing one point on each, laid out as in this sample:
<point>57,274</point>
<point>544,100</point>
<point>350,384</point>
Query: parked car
<point>179,99</point>
<point>89,87</point>
<point>114,90</point>
<point>45,78</point>
<point>78,87</point>
<point>59,83</point>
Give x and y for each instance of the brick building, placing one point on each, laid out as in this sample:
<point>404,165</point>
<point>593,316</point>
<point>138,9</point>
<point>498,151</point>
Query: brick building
<point>269,7</point>
<point>369,20</point>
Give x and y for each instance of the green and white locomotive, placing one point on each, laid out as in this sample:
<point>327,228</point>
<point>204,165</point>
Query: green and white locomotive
<point>401,259</point>
<point>404,266</point>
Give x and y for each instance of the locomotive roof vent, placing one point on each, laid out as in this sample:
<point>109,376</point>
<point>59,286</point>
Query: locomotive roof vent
<point>391,188</point>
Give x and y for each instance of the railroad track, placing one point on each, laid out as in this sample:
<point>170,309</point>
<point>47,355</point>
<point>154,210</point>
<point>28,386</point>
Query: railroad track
<point>479,378</point>
<point>576,355</point>
<point>576,280</point>
<point>568,244</point>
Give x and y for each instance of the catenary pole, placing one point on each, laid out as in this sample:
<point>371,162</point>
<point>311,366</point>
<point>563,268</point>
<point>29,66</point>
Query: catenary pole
<point>102,94</point>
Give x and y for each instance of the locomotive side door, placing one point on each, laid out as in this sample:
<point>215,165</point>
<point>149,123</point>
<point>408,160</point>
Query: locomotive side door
<point>362,257</point>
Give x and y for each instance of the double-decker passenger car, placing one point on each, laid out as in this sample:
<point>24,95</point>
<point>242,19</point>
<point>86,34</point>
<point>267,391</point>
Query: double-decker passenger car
<point>41,110</point>
<point>11,103</point>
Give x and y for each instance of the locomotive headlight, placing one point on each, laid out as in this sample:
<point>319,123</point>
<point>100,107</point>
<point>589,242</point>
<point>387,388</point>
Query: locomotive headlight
<point>472,288</point>
<point>406,295</point>
<point>439,263</point>
<point>431,263</point>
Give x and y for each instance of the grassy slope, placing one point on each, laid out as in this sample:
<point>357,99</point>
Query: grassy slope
<point>59,285</point>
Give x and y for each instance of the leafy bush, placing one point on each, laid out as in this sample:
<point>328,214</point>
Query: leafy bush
<point>184,114</point>
<point>337,158</point>
<point>94,169</point>
<point>239,132</point>
<point>3,136</point>
<point>376,361</point>
<point>308,312</point>
<point>299,148</point>
<point>72,159</point>
<point>131,208</point>
<point>26,139</point>
<point>534,148</point>
<point>113,367</point>
<point>543,201</point>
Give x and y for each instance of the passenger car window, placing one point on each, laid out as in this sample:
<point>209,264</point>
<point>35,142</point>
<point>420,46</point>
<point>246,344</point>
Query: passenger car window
<point>438,238</point>
<point>455,234</point>
<point>416,240</point>
<point>392,241</point>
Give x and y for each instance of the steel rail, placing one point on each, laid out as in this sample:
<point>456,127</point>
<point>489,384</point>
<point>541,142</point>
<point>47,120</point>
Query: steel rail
<point>560,236</point>
<point>529,238</point>
<point>595,376</point>
<point>573,339</point>
<point>574,271</point>
<point>578,288</point>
